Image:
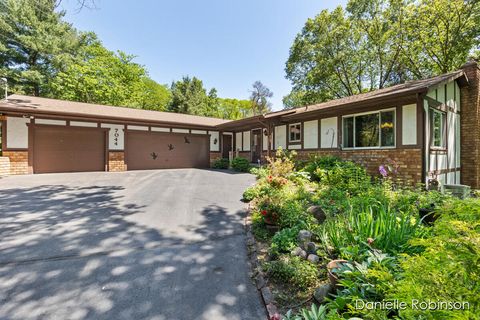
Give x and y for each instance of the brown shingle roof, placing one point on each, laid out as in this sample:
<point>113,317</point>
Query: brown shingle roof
<point>37,105</point>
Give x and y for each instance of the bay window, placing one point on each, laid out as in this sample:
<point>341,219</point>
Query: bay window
<point>370,130</point>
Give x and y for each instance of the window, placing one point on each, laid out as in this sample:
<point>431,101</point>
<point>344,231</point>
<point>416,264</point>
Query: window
<point>295,132</point>
<point>372,130</point>
<point>437,128</point>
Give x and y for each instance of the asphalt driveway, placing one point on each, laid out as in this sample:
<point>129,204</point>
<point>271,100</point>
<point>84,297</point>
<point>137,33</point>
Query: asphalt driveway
<point>163,244</point>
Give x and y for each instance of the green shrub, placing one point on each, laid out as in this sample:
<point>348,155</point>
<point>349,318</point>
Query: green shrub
<point>319,162</point>
<point>293,270</point>
<point>221,163</point>
<point>250,193</point>
<point>346,176</point>
<point>240,164</point>
<point>449,267</point>
<point>260,173</point>
<point>284,241</point>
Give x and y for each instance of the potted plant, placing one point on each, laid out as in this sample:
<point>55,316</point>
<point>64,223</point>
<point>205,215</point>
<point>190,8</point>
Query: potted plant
<point>332,268</point>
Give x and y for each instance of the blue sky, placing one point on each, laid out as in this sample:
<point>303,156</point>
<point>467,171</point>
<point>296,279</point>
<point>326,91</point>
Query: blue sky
<point>227,44</point>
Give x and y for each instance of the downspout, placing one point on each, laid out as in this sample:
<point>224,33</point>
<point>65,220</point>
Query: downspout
<point>420,104</point>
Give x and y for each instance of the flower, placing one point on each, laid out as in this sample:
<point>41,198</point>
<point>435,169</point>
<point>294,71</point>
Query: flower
<point>264,212</point>
<point>370,241</point>
<point>276,316</point>
<point>383,171</point>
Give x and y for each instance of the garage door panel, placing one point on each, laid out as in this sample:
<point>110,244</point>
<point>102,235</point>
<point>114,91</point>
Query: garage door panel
<point>156,150</point>
<point>68,149</point>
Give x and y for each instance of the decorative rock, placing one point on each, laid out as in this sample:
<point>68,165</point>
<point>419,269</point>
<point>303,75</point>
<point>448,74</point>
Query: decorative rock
<point>303,254</point>
<point>318,213</point>
<point>297,252</point>
<point>272,312</point>
<point>304,236</point>
<point>260,281</point>
<point>313,258</point>
<point>311,248</point>
<point>322,292</point>
<point>267,295</point>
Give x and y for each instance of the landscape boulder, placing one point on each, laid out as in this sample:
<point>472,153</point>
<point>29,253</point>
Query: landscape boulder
<point>318,213</point>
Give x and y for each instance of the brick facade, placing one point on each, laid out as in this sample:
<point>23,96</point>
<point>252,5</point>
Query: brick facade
<point>214,156</point>
<point>470,127</point>
<point>4,166</point>
<point>18,162</point>
<point>408,160</point>
<point>116,161</point>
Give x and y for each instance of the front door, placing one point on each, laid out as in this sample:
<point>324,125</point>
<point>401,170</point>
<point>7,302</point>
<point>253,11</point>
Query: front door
<point>226,145</point>
<point>256,145</point>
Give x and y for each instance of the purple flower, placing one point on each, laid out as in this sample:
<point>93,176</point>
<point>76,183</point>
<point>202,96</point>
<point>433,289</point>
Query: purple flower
<point>383,171</point>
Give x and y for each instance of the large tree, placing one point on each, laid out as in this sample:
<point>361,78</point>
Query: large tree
<point>259,98</point>
<point>188,96</point>
<point>377,43</point>
<point>34,43</point>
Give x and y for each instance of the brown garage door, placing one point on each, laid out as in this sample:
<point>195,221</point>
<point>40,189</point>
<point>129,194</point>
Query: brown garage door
<point>161,150</point>
<point>68,149</point>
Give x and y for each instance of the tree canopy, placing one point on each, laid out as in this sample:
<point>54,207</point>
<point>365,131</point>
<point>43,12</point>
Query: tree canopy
<point>377,43</point>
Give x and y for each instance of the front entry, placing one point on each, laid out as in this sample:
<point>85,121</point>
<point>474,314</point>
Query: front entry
<point>226,145</point>
<point>256,145</point>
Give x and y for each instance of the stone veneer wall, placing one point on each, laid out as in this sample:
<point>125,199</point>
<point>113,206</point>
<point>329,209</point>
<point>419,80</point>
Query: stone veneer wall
<point>470,127</point>
<point>4,166</point>
<point>18,161</point>
<point>116,161</point>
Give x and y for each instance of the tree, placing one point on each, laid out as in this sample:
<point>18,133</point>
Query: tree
<point>259,98</point>
<point>441,35</point>
<point>101,76</point>
<point>234,109</point>
<point>378,43</point>
<point>34,43</point>
<point>188,96</point>
<point>154,96</point>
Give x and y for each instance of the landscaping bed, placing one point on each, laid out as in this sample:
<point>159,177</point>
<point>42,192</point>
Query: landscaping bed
<point>330,241</point>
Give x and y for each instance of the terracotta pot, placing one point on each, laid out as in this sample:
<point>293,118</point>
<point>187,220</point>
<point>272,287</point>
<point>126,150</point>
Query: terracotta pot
<point>332,265</point>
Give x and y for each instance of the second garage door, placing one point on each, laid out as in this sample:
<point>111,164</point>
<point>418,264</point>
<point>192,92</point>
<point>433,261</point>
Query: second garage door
<point>159,150</point>
<point>68,149</point>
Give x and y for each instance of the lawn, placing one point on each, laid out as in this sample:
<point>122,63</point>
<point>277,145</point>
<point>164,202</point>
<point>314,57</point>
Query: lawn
<point>336,243</point>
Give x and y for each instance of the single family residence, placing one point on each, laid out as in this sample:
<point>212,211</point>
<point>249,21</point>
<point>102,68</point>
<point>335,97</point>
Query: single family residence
<point>430,128</point>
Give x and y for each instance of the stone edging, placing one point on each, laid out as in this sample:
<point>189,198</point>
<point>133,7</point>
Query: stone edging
<point>257,273</point>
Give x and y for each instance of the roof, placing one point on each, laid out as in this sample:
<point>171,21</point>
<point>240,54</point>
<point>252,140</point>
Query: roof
<point>37,105</point>
<point>410,88</point>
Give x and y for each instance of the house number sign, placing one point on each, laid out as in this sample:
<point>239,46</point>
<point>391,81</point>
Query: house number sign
<point>115,137</point>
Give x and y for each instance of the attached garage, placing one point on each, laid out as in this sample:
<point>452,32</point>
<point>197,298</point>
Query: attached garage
<point>68,149</point>
<point>166,150</point>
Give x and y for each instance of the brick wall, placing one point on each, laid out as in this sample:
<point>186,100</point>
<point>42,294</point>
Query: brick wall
<point>214,156</point>
<point>18,161</point>
<point>116,161</point>
<point>470,127</point>
<point>4,166</point>
<point>409,161</point>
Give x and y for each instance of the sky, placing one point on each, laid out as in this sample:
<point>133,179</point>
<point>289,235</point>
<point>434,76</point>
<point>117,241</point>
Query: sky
<point>227,44</point>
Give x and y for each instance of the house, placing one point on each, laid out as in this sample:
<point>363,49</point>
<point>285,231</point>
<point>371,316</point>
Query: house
<point>430,128</point>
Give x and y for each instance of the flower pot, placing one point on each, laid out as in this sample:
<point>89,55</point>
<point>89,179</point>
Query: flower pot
<point>334,264</point>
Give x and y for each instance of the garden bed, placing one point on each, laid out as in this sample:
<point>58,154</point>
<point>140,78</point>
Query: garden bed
<point>303,216</point>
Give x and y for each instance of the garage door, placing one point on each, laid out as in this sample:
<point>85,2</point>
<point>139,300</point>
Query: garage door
<point>159,150</point>
<point>68,149</point>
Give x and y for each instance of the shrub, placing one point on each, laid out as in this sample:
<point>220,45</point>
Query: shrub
<point>449,267</point>
<point>293,270</point>
<point>240,164</point>
<point>221,163</point>
<point>284,241</point>
<point>319,162</point>
<point>250,193</point>
<point>283,164</point>
<point>346,176</point>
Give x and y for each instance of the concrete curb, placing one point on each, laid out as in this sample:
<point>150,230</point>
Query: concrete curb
<point>257,273</point>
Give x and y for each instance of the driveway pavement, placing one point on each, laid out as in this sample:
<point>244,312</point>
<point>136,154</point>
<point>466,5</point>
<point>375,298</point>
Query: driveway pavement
<point>136,245</point>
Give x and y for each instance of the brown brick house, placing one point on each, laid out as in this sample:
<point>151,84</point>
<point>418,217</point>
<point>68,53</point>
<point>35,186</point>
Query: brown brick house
<point>430,127</point>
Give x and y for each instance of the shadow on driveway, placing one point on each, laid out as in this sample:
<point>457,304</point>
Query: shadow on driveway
<point>69,253</point>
